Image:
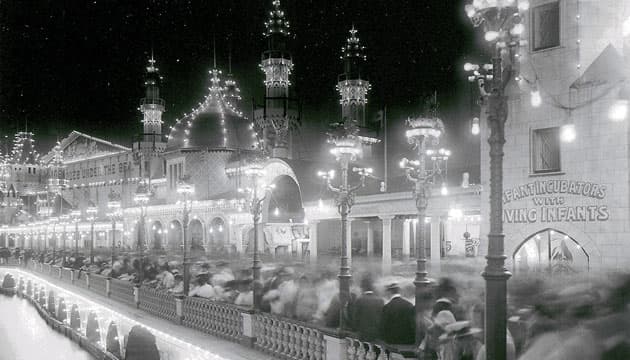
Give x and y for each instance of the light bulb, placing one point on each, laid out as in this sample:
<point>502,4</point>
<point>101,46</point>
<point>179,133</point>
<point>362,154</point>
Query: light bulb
<point>535,98</point>
<point>626,27</point>
<point>444,190</point>
<point>475,126</point>
<point>276,212</point>
<point>567,133</point>
<point>619,110</point>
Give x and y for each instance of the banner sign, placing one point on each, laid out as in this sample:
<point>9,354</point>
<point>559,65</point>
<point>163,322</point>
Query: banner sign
<point>549,202</point>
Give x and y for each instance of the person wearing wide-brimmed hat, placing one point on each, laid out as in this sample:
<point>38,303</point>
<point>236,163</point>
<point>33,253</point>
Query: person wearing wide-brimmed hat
<point>399,319</point>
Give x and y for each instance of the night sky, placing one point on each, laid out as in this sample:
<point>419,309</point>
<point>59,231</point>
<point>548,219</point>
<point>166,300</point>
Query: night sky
<point>73,64</point>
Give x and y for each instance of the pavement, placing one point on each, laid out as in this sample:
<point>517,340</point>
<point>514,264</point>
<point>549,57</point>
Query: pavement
<point>224,348</point>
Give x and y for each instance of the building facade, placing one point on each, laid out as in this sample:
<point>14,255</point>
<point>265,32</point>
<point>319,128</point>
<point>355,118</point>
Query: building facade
<point>566,181</point>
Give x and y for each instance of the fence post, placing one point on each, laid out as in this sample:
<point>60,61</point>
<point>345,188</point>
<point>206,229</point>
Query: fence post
<point>108,286</point>
<point>179,309</point>
<point>136,296</point>
<point>336,348</point>
<point>87,279</point>
<point>72,276</point>
<point>248,328</point>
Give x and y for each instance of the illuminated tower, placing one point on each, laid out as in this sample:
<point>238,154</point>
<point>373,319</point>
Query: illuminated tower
<point>150,144</point>
<point>279,115</point>
<point>352,87</point>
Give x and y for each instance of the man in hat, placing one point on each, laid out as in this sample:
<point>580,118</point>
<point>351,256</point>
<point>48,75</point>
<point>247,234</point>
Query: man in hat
<point>399,319</point>
<point>366,312</point>
<point>202,288</point>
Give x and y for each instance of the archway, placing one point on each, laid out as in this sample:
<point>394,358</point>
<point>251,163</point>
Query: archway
<point>157,233</point>
<point>552,251</point>
<point>217,235</point>
<point>174,236</point>
<point>195,229</point>
<point>285,203</point>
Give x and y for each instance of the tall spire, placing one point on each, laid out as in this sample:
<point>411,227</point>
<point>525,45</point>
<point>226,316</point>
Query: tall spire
<point>214,51</point>
<point>352,87</point>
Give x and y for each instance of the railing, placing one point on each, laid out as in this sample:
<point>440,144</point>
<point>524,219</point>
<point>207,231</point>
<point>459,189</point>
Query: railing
<point>158,303</point>
<point>98,284</point>
<point>213,317</point>
<point>288,339</point>
<point>360,350</point>
<point>47,268</point>
<point>66,274</point>
<point>80,278</point>
<point>122,291</point>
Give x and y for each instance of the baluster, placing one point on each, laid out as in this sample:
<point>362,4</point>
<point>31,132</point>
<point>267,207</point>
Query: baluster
<point>294,343</point>
<point>351,351</point>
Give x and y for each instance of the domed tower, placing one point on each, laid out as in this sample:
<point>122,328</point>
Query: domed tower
<point>150,144</point>
<point>352,87</point>
<point>23,170</point>
<point>202,143</point>
<point>279,116</point>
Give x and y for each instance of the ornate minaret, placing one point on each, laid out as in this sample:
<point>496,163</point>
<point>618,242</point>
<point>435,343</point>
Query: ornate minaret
<point>150,144</point>
<point>352,87</point>
<point>279,114</point>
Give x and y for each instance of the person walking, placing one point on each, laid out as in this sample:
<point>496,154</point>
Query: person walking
<point>367,311</point>
<point>398,319</point>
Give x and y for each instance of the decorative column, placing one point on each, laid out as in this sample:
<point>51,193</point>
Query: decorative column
<point>405,240</point>
<point>312,246</point>
<point>370,239</point>
<point>349,241</point>
<point>435,245</point>
<point>387,244</point>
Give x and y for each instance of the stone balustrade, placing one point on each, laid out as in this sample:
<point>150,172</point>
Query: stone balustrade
<point>213,317</point>
<point>122,291</point>
<point>287,339</point>
<point>360,350</point>
<point>159,303</point>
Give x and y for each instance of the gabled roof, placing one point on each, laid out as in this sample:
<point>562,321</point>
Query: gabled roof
<point>79,145</point>
<point>607,68</point>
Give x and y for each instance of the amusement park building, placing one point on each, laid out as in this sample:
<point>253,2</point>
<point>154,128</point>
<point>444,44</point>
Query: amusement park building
<point>208,147</point>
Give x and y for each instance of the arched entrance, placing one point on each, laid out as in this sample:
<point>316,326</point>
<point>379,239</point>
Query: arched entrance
<point>552,251</point>
<point>216,235</point>
<point>174,236</point>
<point>196,236</point>
<point>285,202</point>
<point>157,233</point>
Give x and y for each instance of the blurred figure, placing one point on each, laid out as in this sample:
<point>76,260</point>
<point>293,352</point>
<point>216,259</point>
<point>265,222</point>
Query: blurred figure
<point>305,300</point>
<point>178,287</point>
<point>366,312</point>
<point>398,321</point>
<point>430,345</point>
<point>461,342</point>
<point>166,279</point>
<point>202,288</point>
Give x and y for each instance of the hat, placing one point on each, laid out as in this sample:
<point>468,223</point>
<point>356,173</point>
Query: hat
<point>392,286</point>
<point>444,300</point>
<point>174,271</point>
<point>459,329</point>
<point>444,318</point>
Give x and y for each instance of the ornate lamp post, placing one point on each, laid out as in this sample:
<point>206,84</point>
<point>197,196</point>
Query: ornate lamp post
<point>114,206</point>
<point>501,22</point>
<point>91,212</point>
<point>142,197</point>
<point>256,193</point>
<point>186,190</point>
<point>54,220</point>
<point>347,147</point>
<point>64,220</point>
<point>76,218</point>
<point>430,165</point>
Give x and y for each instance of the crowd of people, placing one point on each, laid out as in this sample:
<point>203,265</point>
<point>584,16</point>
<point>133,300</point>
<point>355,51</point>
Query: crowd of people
<point>589,317</point>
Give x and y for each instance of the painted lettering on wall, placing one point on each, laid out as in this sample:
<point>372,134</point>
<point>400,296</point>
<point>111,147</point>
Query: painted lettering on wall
<point>555,208</point>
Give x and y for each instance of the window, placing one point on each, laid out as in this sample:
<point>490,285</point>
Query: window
<point>546,150</point>
<point>546,26</point>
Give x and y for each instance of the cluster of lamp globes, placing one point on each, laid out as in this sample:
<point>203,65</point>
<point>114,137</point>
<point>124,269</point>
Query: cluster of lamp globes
<point>617,112</point>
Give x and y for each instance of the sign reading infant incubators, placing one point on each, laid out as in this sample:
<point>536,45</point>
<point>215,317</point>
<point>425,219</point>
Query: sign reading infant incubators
<point>549,202</point>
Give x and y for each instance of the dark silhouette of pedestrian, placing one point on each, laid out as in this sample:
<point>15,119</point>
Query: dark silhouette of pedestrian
<point>399,320</point>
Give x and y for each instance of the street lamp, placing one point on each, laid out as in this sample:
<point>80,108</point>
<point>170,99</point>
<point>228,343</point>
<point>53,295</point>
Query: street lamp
<point>347,147</point>
<point>256,194</point>
<point>430,165</point>
<point>501,22</point>
<point>91,212</point>
<point>142,197</point>
<point>114,206</point>
<point>64,220</point>
<point>186,189</point>
<point>76,218</point>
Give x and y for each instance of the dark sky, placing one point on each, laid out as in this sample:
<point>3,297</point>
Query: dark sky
<point>75,64</point>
